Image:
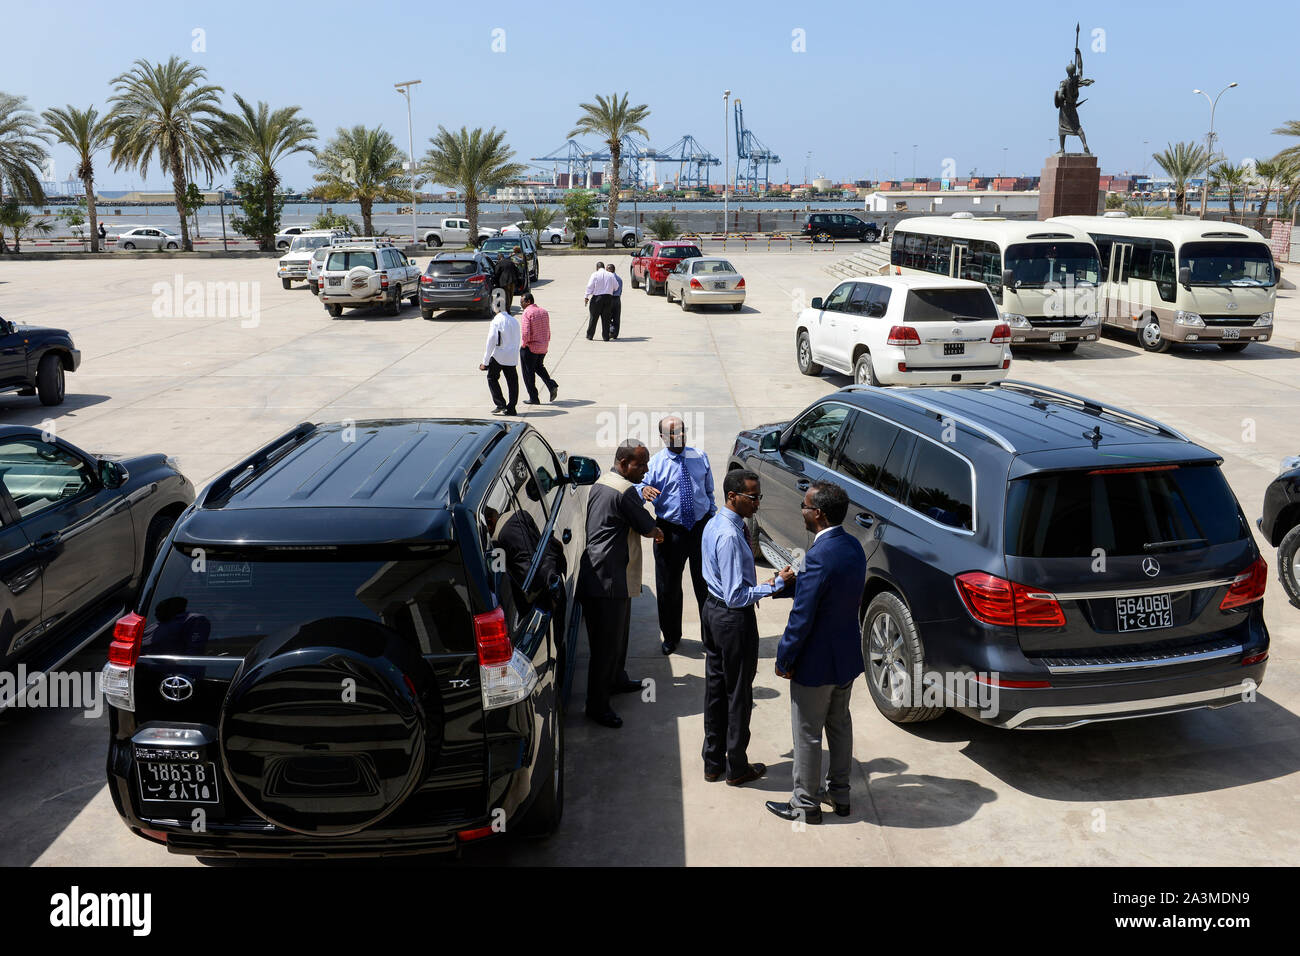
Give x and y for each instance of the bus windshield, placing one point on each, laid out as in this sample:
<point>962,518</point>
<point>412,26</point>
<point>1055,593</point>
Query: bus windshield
<point>1228,263</point>
<point>1066,264</point>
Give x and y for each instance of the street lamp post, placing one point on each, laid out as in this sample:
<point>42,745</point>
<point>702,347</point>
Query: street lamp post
<point>1209,142</point>
<point>1004,161</point>
<point>405,89</point>
<point>913,162</point>
<point>726,160</point>
<point>221,191</point>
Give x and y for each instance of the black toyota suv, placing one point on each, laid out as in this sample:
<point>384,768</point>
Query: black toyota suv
<point>355,643</point>
<point>33,360</point>
<point>1035,559</point>
<point>821,226</point>
<point>1280,523</point>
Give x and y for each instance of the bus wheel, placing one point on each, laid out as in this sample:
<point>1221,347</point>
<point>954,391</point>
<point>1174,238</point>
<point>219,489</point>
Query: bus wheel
<point>1150,338</point>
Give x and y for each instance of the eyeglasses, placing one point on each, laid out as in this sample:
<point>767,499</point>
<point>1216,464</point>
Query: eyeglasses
<point>741,494</point>
<point>809,508</point>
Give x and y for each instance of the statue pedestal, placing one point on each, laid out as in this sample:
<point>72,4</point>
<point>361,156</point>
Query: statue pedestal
<point>1070,186</point>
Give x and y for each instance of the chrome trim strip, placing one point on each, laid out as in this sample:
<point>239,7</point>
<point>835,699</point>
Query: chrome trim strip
<point>1142,592</point>
<point>1090,712</point>
<point>1134,665</point>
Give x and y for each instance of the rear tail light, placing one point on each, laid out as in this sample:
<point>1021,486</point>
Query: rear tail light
<point>383,280</point>
<point>1247,587</point>
<point>1254,659</point>
<point>994,681</point>
<point>119,673</point>
<point>1001,334</point>
<point>903,335</point>
<point>426,280</point>
<point>1003,603</point>
<point>696,284</point>
<point>478,278</point>
<point>740,284</point>
<point>505,676</point>
<point>1006,363</point>
<point>478,833</point>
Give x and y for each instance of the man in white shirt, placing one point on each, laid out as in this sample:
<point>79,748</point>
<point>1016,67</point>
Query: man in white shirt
<point>599,299</point>
<point>502,355</point>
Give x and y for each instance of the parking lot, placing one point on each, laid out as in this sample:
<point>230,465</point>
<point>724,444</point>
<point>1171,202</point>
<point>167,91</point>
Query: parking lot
<point>161,371</point>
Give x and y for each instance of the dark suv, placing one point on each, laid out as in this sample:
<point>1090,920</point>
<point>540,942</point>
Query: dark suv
<point>824,226</point>
<point>355,643</point>
<point>1035,559</point>
<point>457,280</point>
<point>1280,523</point>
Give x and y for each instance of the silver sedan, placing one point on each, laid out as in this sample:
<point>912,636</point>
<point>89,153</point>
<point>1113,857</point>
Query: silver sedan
<point>148,237</point>
<point>705,280</point>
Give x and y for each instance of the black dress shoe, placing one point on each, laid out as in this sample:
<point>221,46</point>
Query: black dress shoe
<point>555,390</point>
<point>712,776</point>
<point>669,646</point>
<point>531,401</point>
<point>841,809</point>
<point>626,687</point>
<point>607,719</point>
<point>755,771</point>
<point>795,814</point>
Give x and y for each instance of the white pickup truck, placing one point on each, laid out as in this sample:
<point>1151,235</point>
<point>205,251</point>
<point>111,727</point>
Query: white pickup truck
<point>454,233</point>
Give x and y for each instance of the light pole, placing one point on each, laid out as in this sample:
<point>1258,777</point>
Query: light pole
<point>807,161</point>
<point>405,90</point>
<point>1209,142</point>
<point>726,159</point>
<point>913,162</point>
<point>221,192</point>
<point>1004,162</point>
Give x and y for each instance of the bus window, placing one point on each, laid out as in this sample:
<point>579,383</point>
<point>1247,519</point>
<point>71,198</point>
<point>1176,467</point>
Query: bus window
<point>1064,263</point>
<point>1229,263</point>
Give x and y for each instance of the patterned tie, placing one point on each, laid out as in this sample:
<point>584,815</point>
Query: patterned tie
<point>686,493</point>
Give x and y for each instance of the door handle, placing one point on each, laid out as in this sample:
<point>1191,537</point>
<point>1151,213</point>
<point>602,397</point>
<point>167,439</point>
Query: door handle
<point>865,520</point>
<point>802,484</point>
<point>47,541</point>
<point>567,536</point>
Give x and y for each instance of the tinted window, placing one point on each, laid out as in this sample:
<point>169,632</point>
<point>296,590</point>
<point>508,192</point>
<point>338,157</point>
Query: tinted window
<point>878,300</point>
<point>940,487</point>
<point>866,446</point>
<point>948,305</point>
<point>679,252</point>
<point>897,244</point>
<point>1069,514</point>
<point>544,469</point>
<point>1035,264</point>
<point>816,434</point>
<point>1229,263</point>
<point>343,261</point>
<point>453,267</point>
<point>858,298</point>
<point>39,475</point>
<point>891,475</point>
<point>714,266</point>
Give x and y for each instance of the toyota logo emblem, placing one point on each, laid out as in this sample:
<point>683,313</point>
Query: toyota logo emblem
<point>176,688</point>
<point>1151,566</point>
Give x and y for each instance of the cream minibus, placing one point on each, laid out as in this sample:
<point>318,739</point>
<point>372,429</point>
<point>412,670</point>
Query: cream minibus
<point>1183,280</point>
<point>1043,276</point>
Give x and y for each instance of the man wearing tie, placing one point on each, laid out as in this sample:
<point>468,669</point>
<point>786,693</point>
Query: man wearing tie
<point>730,631</point>
<point>680,484</point>
<point>598,298</point>
<point>821,655</point>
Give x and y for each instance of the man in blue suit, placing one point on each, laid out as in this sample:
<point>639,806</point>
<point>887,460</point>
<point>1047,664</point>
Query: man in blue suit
<point>821,655</point>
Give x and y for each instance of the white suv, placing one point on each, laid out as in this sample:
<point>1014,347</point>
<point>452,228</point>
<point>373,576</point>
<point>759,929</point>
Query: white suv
<point>368,272</point>
<point>295,263</point>
<point>905,330</point>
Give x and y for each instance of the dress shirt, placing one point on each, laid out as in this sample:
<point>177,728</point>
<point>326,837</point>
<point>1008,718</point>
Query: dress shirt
<point>502,340</point>
<point>535,329</point>
<point>619,290</point>
<point>823,531</point>
<point>665,473</point>
<point>729,562</point>
<point>601,283</point>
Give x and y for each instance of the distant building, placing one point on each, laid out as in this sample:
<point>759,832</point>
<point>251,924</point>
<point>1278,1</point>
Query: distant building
<point>941,202</point>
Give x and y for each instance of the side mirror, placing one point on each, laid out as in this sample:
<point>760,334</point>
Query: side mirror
<point>1185,276</point>
<point>112,474</point>
<point>583,471</point>
<point>816,302</point>
<point>1008,279</point>
<point>771,442</point>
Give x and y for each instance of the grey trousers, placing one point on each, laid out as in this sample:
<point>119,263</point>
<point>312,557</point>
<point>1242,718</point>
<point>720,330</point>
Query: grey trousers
<point>811,709</point>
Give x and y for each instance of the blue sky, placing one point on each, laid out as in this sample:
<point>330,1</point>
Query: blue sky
<point>962,82</point>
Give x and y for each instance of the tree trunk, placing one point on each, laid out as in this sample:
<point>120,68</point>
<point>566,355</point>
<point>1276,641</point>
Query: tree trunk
<point>367,226</point>
<point>178,188</point>
<point>93,224</point>
<point>1263,206</point>
<point>3,246</point>
<point>1180,201</point>
<point>1232,208</point>
<point>471,213</point>
<point>615,156</point>
<point>269,182</point>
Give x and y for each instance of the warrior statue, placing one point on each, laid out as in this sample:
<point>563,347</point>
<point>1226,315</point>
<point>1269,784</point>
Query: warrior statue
<point>1067,98</point>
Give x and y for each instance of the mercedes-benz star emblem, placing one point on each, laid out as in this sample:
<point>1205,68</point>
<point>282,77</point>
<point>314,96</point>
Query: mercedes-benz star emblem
<point>176,687</point>
<point>1151,566</point>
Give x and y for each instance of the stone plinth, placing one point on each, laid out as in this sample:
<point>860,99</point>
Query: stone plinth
<point>1071,186</point>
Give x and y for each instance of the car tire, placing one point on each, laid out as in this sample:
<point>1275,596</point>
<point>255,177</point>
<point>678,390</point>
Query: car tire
<point>894,660</point>
<point>557,240</point>
<point>629,241</point>
<point>315,288</point>
<point>285,284</point>
<point>49,380</point>
<point>737,306</point>
<point>281,246</point>
<point>1288,564</point>
<point>1068,346</point>
<point>1233,346</point>
<point>803,355</point>
<point>686,306</point>
<point>1149,336</point>
<point>172,246</point>
<point>544,816</point>
<point>415,298</point>
<point>129,246</point>
<point>334,310</point>
<point>864,371</point>
<point>635,284</point>
<point>394,304</point>
<point>159,527</point>
<point>426,314</point>
<point>432,242</point>
<point>872,236</point>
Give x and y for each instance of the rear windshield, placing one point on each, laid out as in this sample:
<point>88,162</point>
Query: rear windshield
<point>720,266</point>
<point>342,261</point>
<point>947,305</point>
<point>1123,512</point>
<point>228,602</point>
<point>678,252</point>
<point>453,267</point>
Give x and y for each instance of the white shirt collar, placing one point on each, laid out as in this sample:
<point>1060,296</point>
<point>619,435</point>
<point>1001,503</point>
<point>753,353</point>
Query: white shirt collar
<point>823,531</point>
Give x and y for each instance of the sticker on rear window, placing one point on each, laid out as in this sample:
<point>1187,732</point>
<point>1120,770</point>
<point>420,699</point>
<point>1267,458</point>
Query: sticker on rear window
<point>229,574</point>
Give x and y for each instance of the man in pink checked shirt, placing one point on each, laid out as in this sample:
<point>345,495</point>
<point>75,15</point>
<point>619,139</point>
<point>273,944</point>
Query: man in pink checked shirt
<point>535,324</point>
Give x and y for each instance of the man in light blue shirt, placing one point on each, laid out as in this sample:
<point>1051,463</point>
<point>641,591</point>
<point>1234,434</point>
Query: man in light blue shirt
<point>679,483</point>
<point>729,629</point>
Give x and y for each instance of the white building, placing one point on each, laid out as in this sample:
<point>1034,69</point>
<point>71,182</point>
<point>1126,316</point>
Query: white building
<point>949,201</point>
<point>517,194</point>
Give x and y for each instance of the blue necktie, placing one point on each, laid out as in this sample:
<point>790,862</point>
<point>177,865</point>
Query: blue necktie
<point>686,493</point>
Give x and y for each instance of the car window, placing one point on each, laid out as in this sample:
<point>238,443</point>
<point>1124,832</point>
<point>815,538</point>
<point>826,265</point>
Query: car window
<point>817,433</point>
<point>453,267</point>
<point>39,475</point>
<point>878,300</point>
<point>949,305</point>
<point>342,261</point>
<point>866,447</point>
<point>715,266</point>
<point>890,481</point>
<point>857,303</point>
<point>545,469</point>
<point>838,299</point>
<point>940,488</point>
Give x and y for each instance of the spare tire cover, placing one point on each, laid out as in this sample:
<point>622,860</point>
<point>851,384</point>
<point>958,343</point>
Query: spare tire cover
<point>328,730</point>
<point>361,279</point>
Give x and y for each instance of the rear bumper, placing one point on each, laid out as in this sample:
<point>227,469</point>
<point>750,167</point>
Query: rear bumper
<point>941,376</point>
<point>709,297</point>
<point>1044,335</point>
<point>454,299</point>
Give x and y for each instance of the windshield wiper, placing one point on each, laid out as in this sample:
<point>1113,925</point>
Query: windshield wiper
<point>1151,546</point>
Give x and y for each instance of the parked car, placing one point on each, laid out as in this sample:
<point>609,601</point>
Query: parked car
<point>905,330</point>
<point>653,261</point>
<point>1280,524</point>
<point>78,537</point>
<point>705,280</point>
<point>824,226</point>
<point>457,280</point>
<point>284,238</point>
<point>554,235</point>
<point>375,656</point>
<point>1036,559</point>
<point>33,360</point>
<point>148,237</point>
<point>296,263</point>
<point>498,246</point>
<point>314,267</point>
<point>454,232</point>
<point>360,274</point>
<point>598,233</point>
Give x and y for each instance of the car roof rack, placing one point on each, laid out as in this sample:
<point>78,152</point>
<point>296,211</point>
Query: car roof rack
<point>1091,405</point>
<point>983,430</point>
<point>228,481</point>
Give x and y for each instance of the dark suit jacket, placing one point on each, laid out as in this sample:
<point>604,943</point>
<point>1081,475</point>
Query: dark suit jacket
<point>604,562</point>
<point>822,643</point>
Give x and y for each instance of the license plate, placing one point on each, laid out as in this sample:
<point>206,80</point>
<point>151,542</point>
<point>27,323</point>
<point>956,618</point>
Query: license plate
<point>1056,337</point>
<point>1145,613</point>
<point>954,348</point>
<point>719,285</point>
<point>334,280</point>
<point>447,285</point>
<point>178,782</point>
<point>1232,333</point>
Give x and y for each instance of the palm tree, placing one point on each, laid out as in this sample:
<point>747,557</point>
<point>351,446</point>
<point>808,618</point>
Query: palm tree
<point>167,109</point>
<point>362,165</point>
<point>17,219</point>
<point>22,151</point>
<point>87,134</point>
<point>1267,173</point>
<point>1232,178</point>
<point>262,138</point>
<point>1290,128</point>
<point>538,218</point>
<point>471,161</point>
<point>612,119</point>
<point>1288,185</point>
<point>1181,162</point>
